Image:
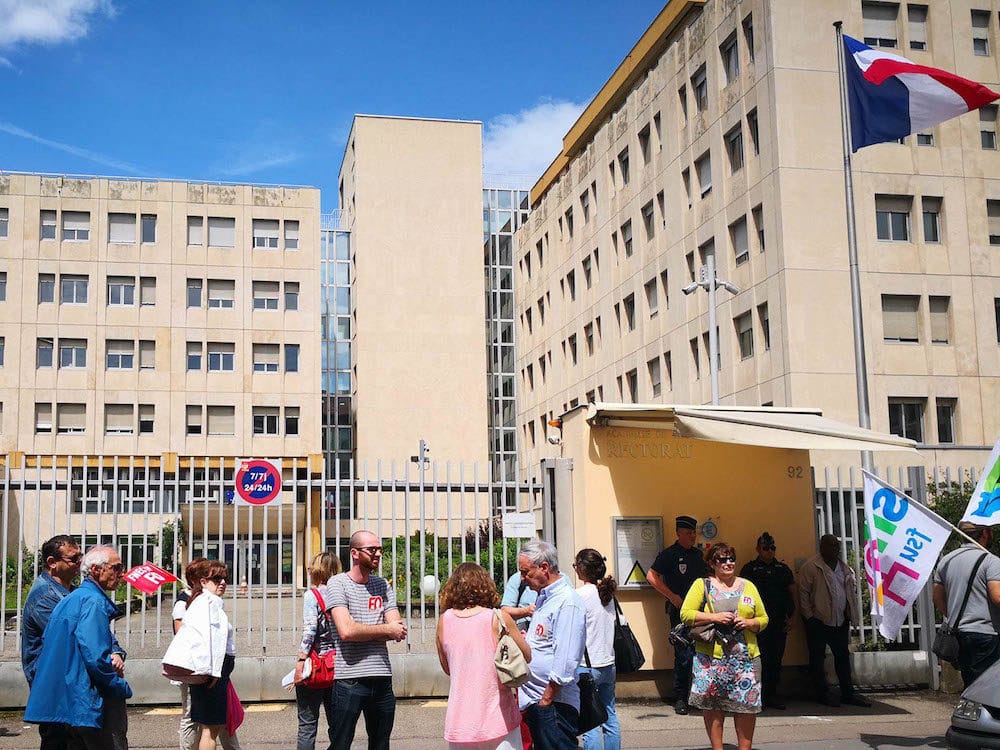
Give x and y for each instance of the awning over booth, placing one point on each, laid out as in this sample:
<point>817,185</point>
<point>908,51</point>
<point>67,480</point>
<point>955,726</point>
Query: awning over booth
<point>805,429</point>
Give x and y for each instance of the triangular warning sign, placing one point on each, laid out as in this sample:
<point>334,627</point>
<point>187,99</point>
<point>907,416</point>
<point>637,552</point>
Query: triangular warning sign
<point>636,575</point>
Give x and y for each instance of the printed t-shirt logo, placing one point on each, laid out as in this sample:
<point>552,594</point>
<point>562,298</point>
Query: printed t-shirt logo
<point>374,603</point>
<point>540,630</point>
<point>748,601</point>
<point>682,567</point>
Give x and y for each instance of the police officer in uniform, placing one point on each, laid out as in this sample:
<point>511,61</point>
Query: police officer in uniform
<point>776,584</point>
<point>672,573</point>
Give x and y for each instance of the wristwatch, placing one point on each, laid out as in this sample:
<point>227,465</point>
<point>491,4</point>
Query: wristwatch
<point>302,659</point>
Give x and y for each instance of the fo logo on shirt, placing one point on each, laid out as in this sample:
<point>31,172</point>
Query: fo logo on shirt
<point>374,603</point>
<point>540,630</point>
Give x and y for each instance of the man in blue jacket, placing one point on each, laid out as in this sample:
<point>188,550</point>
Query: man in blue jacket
<point>75,682</point>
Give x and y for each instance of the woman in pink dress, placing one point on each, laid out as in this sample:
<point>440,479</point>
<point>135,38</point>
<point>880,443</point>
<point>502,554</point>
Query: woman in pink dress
<point>482,713</point>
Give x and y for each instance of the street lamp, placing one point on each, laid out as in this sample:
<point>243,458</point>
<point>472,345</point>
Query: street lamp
<point>710,282</point>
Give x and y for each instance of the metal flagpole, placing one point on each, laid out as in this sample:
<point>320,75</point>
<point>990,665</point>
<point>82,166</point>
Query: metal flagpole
<point>860,364</point>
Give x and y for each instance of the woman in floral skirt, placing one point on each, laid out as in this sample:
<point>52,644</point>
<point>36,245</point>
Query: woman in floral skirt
<point>726,677</point>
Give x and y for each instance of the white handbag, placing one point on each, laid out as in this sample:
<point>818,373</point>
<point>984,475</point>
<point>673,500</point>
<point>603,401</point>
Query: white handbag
<point>512,668</point>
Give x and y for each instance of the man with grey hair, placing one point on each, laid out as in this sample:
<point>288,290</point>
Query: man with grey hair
<point>550,700</point>
<point>76,684</point>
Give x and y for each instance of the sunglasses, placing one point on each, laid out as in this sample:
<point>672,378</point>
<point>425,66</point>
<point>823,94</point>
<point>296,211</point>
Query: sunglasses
<point>117,567</point>
<point>73,559</point>
<point>219,580</point>
<point>768,547</point>
<point>727,559</point>
<point>370,550</point>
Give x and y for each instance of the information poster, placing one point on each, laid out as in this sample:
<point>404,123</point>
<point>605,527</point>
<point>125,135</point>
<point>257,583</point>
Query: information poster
<point>638,540</point>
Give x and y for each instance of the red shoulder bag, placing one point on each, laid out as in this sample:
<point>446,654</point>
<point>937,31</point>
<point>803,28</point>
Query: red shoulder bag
<point>322,665</point>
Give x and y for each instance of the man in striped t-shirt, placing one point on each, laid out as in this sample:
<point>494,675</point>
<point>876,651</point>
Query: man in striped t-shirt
<point>364,611</point>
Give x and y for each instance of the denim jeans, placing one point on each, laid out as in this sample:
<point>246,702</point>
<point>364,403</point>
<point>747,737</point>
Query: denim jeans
<point>371,696</point>
<point>977,652</point>
<point>553,727</point>
<point>608,735</point>
<point>308,702</point>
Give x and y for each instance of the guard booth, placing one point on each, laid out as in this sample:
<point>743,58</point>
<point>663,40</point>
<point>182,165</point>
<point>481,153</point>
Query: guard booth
<point>630,469</point>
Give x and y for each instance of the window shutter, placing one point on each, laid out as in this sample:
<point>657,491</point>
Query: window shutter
<point>77,220</point>
<point>118,418</point>
<point>740,246</point>
<point>917,15</point>
<point>72,417</point>
<point>221,289</point>
<point>147,290</point>
<point>266,354</point>
<point>196,233</point>
<point>940,330</point>
<point>993,210</point>
<point>221,420</point>
<point>121,228</point>
<point>880,20</point>
<point>221,231</point>
<point>899,317</point>
<point>147,354</point>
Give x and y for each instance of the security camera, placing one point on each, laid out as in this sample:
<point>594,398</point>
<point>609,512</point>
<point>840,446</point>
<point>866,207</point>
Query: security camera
<point>691,288</point>
<point>731,288</point>
<point>554,439</point>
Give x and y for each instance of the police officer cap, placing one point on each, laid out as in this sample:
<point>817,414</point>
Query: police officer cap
<point>765,539</point>
<point>686,522</point>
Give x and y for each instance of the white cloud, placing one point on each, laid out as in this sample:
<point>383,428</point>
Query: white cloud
<point>48,21</point>
<point>249,164</point>
<point>82,153</point>
<point>527,142</point>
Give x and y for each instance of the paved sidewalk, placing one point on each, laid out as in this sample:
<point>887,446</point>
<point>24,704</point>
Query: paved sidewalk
<point>907,720</point>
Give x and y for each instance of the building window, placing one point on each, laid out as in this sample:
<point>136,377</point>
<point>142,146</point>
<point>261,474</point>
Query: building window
<point>221,231</point>
<point>627,238</point>
<point>682,100</point>
<point>730,52</point>
<point>265,295</point>
<point>668,364</point>
<point>119,419</point>
<point>655,378</point>
<point>194,292</point>
<point>588,333</point>
<point>193,420</point>
<point>932,218</point>
<point>221,294</point>
<point>652,297</point>
<point>744,334</point>
<point>147,354</point>
<point>147,417</point>
<point>195,230</point>
<point>571,343</point>
<point>648,221</point>
<point>75,226</point>
<point>43,418</point>
<point>569,222</point>
<point>291,234</point>
<point>703,166</point>
<point>738,236</point>
<point>221,356</point>
<point>587,270</point>
<point>265,357</point>
<point>265,234</point>
<point>940,319</point>
<point>292,423</point>
<point>699,87</point>
<point>993,220</point>
<point>571,285</point>
<point>629,304</point>
<point>748,36</point>
<point>632,382</point>
<point>47,230</point>
<point>765,325</point>
<point>925,138</point>
<point>291,295</point>
<point>906,418</point>
<point>585,205</point>
<point>758,225</point>
<point>689,259</point>
<point>981,33</point>
<point>121,290</point>
<point>72,353</point>
<point>43,353</point>
<point>71,419</point>
<point>194,352</point>
<point>4,222</point>
<point>754,128</point>
<point>121,229</point>
<point>73,290</point>
<point>265,420</point>
<point>3,349</point>
<point>645,150</point>
<point>695,359</point>
<point>946,419</point>
<point>988,127</point>
<point>734,148</point>
<point>147,290</point>
<point>148,229</point>
<point>658,128</point>
<point>220,420</point>
<point>291,357</point>
<point>900,318</point>
<point>686,181</point>
<point>996,316</point>
<point>623,166</point>
<point>916,16</point>
<point>880,23</point>
<point>3,286</point>
<point>120,354</point>
<point>892,217</point>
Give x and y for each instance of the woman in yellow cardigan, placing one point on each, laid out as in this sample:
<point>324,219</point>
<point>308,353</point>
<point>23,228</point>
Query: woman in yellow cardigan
<point>726,677</point>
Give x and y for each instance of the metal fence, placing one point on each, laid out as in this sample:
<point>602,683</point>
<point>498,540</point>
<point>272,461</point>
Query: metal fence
<point>839,506</point>
<point>430,518</point>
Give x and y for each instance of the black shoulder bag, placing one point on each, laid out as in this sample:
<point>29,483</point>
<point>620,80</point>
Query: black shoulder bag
<point>592,712</point>
<point>628,653</point>
<point>945,645</point>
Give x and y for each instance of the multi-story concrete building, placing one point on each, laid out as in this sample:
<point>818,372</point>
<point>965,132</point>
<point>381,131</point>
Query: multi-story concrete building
<point>719,135</point>
<point>144,320</point>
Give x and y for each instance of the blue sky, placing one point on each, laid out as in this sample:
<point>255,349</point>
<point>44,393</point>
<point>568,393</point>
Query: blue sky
<point>264,91</point>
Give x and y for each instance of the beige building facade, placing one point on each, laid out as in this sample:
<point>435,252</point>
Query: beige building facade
<point>411,190</point>
<point>720,135</point>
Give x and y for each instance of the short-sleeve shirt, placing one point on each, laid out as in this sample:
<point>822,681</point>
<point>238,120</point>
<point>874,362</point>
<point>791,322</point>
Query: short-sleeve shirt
<point>367,604</point>
<point>679,567</point>
<point>953,573</point>
<point>772,581</point>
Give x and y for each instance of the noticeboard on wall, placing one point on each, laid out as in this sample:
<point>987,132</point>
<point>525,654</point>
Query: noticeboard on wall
<point>638,540</point>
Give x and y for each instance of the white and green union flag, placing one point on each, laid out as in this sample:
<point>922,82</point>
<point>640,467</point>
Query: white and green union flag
<point>903,543</point>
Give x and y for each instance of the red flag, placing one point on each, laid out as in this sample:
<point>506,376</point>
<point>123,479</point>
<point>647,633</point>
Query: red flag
<point>148,578</point>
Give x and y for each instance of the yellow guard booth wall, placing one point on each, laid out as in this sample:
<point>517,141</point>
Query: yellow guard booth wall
<point>746,490</point>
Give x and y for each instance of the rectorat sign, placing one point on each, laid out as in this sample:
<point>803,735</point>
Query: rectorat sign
<point>643,444</point>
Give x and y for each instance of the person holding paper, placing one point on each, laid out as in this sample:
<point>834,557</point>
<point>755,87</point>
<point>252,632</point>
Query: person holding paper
<point>971,575</point>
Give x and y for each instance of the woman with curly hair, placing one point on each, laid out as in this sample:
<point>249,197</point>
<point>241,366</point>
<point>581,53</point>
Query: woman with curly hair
<point>482,713</point>
<point>598,593</point>
<point>726,677</point>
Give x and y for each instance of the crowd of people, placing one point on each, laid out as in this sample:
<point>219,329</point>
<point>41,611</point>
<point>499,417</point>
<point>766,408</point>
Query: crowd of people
<point>728,632</point>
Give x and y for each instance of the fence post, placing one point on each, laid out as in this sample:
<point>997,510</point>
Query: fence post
<point>557,508</point>
<point>917,479</point>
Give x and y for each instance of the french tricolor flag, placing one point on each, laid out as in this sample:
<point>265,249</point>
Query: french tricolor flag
<point>891,97</point>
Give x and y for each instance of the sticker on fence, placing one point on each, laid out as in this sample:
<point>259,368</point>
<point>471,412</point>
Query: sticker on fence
<point>518,525</point>
<point>257,482</point>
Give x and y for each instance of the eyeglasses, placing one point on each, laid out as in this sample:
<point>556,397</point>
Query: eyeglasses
<point>726,559</point>
<point>117,567</point>
<point>768,547</point>
<point>72,559</point>
<point>219,580</point>
<point>370,550</point>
